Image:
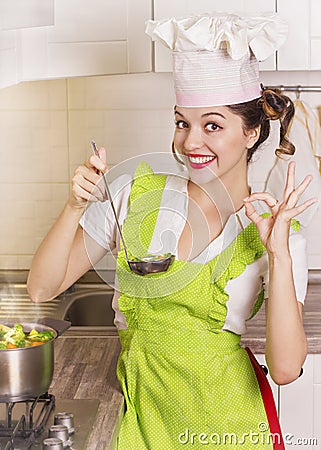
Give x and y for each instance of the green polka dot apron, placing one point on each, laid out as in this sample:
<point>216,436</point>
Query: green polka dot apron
<point>187,384</point>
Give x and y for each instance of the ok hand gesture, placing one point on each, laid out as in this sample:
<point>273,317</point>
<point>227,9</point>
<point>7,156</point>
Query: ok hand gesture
<point>274,230</point>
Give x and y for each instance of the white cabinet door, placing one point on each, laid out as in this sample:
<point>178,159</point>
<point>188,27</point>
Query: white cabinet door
<point>294,54</point>
<point>16,15</point>
<point>303,47</point>
<point>89,38</point>
<point>317,401</point>
<point>26,13</point>
<point>164,9</point>
<point>296,407</point>
<point>8,58</point>
<point>315,35</point>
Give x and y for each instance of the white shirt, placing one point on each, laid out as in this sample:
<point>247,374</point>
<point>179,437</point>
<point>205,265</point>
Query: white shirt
<point>98,221</point>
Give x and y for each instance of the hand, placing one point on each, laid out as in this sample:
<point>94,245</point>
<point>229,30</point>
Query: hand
<point>274,230</point>
<point>86,182</point>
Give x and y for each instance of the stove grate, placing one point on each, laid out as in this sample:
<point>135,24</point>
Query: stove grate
<point>28,425</point>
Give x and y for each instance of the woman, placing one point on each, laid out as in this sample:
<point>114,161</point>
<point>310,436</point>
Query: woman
<point>185,378</point>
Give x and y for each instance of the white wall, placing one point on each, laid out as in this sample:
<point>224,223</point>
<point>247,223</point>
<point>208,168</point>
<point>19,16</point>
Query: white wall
<point>45,131</point>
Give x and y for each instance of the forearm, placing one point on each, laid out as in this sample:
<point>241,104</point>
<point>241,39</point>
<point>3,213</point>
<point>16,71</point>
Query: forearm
<point>286,344</point>
<point>50,263</point>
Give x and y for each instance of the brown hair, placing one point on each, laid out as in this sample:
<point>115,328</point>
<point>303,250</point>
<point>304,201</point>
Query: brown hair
<point>272,105</point>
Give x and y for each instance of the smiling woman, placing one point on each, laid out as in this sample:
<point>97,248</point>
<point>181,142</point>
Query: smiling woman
<point>181,366</point>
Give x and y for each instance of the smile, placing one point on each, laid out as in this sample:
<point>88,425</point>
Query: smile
<point>200,161</point>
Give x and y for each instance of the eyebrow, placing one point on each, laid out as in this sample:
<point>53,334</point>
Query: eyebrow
<point>204,115</point>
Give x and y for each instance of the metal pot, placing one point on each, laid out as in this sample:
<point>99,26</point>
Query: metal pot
<point>27,372</point>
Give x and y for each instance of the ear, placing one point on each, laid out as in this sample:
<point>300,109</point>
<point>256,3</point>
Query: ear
<point>252,136</point>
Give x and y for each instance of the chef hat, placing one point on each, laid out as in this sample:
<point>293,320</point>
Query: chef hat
<point>215,56</point>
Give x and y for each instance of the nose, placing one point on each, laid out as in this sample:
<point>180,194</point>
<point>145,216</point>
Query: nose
<point>193,140</point>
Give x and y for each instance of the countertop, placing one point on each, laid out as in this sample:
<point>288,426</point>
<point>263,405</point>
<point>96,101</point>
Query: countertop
<point>255,337</point>
<point>85,366</point>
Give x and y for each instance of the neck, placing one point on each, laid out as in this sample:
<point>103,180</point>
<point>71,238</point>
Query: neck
<point>227,193</point>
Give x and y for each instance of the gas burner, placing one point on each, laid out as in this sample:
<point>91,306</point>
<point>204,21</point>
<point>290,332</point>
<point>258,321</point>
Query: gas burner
<point>29,424</point>
<point>34,424</point>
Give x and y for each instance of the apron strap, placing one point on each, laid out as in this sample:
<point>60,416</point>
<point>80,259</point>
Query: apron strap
<point>268,401</point>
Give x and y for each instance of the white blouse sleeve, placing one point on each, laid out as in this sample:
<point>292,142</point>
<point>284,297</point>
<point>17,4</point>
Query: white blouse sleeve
<point>298,251</point>
<point>98,220</point>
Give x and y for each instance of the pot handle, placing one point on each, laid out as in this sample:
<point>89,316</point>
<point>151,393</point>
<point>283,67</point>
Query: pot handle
<point>57,324</point>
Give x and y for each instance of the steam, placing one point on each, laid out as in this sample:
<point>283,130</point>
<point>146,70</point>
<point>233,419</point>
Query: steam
<point>16,306</point>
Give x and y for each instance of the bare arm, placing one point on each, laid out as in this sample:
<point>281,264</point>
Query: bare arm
<point>62,257</point>
<point>286,345</point>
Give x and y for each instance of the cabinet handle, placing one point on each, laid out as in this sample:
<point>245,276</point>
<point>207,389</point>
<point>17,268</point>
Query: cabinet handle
<point>266,370</point>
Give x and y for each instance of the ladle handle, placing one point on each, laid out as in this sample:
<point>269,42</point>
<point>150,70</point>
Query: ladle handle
<point>95,150</point>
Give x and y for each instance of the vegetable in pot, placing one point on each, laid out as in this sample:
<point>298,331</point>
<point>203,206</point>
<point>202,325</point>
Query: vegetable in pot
<point>15,337</point>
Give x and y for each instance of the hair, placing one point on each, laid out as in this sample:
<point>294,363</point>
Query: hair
<point>272,105</point>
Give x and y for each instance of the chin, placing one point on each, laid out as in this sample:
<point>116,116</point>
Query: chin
<point>201,176</point>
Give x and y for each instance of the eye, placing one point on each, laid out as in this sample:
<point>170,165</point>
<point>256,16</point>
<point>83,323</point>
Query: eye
<point>212,126</point>
<point>180,124</point>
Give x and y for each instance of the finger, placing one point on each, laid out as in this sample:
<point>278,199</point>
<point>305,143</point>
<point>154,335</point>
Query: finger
<point>290,180</point>
<point>251,213</point>
<point>89,183</point>
<point>297,193</point>
<point>87,173</point>
<point>89,189</point>
<point>84,195</point>
<point>263,196</point>
<point>102,155</point>
<point>300,208</point>
<point>94,162</point>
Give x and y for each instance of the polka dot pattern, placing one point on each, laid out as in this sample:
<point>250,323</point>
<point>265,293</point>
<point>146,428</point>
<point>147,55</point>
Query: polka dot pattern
<point>186,383</point>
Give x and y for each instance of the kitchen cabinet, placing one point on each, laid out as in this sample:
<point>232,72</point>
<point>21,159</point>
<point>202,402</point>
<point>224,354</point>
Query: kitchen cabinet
<point>301,51</point>
<point>303,47</point>
<point>32,13</point>
<point>317,398</point>
<point>300,406</point>
<point>167,8</point>
<point>102,38</point>
<point>8,58</point>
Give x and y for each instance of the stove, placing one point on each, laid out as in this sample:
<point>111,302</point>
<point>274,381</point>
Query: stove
<point>26,425</point>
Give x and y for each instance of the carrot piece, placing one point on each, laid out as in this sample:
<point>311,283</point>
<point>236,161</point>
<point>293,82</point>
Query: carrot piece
<point>36,343</point>
<point>9,345</point>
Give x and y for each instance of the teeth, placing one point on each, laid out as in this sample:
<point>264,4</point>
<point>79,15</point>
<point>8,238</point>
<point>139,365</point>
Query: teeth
<point>201,159</point>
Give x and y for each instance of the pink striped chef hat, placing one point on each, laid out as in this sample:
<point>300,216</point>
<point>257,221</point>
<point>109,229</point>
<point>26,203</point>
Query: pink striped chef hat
<point>215,56</point>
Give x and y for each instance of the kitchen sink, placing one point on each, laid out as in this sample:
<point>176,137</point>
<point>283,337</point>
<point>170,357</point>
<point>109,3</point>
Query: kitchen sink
<point>91,308</point>
<point>85,305</point>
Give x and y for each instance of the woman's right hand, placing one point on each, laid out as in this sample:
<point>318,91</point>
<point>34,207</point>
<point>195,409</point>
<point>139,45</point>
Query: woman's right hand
<point>87,184</point>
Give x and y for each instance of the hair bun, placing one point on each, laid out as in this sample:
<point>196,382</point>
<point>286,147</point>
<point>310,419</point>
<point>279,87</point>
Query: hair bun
<point>274,104</point>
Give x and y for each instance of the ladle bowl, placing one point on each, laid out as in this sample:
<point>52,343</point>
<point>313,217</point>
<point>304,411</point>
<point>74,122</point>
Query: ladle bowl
<point>151,264</point>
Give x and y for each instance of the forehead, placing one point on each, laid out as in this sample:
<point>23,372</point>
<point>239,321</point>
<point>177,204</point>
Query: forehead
<point>222,113</point>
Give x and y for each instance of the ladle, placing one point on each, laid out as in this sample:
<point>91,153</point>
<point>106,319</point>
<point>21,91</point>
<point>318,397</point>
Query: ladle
<point>147,264</point>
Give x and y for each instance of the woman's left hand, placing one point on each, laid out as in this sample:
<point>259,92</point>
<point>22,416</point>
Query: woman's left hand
<point>274,230</point>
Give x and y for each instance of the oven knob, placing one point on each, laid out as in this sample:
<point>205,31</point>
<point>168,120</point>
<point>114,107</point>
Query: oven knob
<point>67,419</point>
<point>52,444</point>
<point>60,432</point>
